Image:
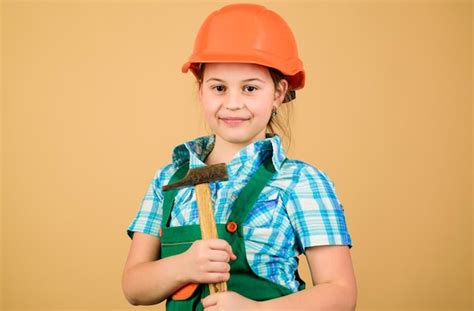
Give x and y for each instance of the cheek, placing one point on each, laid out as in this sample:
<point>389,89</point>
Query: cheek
<point>262,106</point>
<point>209,104</point>
<point>261,110</point>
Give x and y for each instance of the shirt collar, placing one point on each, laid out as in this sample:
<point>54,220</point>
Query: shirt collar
<point>195,151</point>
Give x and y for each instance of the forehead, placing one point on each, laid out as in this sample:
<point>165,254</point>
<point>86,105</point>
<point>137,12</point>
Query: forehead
<point>236,71</point>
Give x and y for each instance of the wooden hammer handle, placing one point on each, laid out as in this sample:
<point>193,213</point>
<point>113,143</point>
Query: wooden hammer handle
<point>207,223</point>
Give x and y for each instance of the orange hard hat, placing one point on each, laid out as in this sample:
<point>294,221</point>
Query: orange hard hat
<point>248,33</point>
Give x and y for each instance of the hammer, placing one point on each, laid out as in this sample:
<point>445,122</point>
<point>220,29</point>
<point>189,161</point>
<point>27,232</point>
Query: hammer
<point>200,178</point>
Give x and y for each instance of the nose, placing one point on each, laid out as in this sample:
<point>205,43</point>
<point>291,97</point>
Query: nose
<point>233,101</point>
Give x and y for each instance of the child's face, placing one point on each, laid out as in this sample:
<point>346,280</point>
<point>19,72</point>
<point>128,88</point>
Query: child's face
<point>237,100</point>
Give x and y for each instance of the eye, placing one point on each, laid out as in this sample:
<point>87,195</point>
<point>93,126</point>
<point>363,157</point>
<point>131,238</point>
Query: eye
<point>218,88</point>
<point>250,88</point>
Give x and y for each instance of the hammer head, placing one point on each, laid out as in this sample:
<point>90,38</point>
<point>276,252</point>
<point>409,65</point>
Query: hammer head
<point>201,175</point>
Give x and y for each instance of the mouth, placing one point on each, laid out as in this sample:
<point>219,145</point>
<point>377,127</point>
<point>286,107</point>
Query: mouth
<point>234,121</point>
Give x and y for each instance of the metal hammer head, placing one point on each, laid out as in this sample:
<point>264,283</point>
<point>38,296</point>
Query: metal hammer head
<point>201,175</point>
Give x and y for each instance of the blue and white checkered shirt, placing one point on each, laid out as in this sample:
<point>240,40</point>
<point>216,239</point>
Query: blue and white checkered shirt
<point>297,209</point>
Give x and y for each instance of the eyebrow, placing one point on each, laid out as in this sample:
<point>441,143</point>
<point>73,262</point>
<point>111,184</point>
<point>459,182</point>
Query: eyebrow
<point>246,80</point>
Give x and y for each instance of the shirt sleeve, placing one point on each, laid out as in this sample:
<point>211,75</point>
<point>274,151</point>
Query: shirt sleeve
<point>315,212</point>
<point>150,213</point>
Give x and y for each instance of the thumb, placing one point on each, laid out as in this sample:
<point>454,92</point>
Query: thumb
<point>210,300</point>
<point>231,252</point>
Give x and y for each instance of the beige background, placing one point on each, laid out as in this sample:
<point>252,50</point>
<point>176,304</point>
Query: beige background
<point>93,101</point>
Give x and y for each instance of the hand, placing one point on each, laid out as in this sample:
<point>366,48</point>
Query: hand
<point>228,301</point>
<point>207,261</point>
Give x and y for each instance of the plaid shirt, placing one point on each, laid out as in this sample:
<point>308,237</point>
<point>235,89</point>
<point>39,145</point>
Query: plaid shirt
<point>297,209</point>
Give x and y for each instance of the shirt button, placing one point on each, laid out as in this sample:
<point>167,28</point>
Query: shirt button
<point>231,227</point>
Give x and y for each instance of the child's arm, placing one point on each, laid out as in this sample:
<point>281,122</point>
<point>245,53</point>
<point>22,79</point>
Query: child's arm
<point>148,280</point>
<point>335,286</point>
<point>333,276</point>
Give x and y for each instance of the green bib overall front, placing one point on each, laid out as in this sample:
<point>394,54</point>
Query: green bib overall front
<point>243,280</point>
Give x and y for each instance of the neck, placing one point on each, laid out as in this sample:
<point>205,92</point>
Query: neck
<point>224,151</point>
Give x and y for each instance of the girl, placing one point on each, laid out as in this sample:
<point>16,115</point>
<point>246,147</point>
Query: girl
<point>270,210</point>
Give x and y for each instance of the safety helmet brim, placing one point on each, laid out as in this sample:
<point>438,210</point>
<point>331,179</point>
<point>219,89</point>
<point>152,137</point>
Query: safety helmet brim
<point>296,80</point>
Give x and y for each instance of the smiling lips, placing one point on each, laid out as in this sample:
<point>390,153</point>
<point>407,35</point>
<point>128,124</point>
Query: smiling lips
<point>233,120</point>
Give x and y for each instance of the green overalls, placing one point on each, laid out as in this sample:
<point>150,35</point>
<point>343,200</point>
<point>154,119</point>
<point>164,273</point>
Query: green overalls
<point>243,280</point>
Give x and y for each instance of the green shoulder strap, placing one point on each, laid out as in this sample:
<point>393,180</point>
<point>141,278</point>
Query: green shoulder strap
<point>249,194</point>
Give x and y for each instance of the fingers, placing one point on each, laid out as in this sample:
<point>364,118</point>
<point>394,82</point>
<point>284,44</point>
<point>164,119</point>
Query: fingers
<point>208,261</point>
<point>215,277</point>
<point>218,267</point>
<point>215,255</point>
<point>223,245</point>
<point>217,272</point>
<point>210,300</point>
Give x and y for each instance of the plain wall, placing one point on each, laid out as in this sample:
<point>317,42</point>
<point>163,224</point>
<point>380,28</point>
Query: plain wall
<point>93,101</point>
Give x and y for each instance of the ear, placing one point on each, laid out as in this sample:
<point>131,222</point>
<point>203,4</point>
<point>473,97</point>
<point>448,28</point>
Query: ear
<point>280,92</point>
